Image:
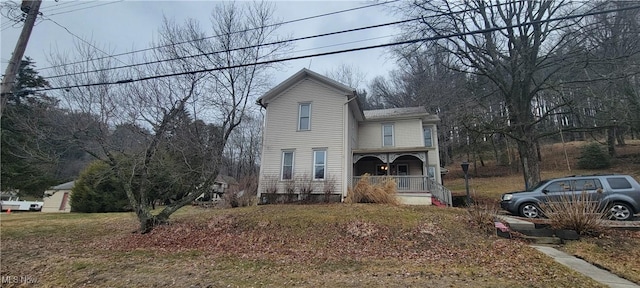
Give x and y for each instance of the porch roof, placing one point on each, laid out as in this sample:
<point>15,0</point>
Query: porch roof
<point>400,113</point>
<point>393,150</point>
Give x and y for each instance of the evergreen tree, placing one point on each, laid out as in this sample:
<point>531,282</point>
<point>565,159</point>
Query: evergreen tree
<point>27,165</point>
<point>98,190</point>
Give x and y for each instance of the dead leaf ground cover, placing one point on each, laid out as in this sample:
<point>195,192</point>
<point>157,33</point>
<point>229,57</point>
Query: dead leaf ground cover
<point>335,245</point>
<point>616,251</point>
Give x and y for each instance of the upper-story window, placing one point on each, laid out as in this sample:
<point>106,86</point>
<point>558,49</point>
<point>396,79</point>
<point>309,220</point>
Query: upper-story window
<point>428,142</point>
<point>304,116</point>
<point>387,134</point>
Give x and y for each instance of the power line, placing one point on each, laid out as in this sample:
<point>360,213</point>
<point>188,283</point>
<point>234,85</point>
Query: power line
<point>231,33</point>
<point>265,44</point>
<point>83,8</point>
<point>65,5</point>
<point>78,37</point>
<point>241,48</point>
<point>58,13</point>
<point>412,41</point>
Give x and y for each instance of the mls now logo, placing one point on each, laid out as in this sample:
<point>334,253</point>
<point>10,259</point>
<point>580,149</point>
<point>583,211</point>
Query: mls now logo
<point>18,280</point>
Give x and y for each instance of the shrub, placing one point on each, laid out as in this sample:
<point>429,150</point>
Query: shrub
<point>290,186</point>
<point>575,211</point>
<point>243,195</point>
<point>482,216</point>
<point>329,188</point>
<point>593,156</point>
<point>271,183</point>
<point>365,192</point>
<point>98,190</point>
<point>305,186</point>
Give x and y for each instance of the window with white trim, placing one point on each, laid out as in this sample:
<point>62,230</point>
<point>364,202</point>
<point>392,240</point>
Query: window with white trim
<point>319,164</point>
<point>431,171</point>
<point>428,142</point>
<point>304,117</point>
<point>387,134</point>
<point>287,165</point>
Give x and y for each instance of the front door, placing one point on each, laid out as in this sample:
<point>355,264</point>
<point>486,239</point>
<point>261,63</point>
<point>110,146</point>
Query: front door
<point>402,170</point>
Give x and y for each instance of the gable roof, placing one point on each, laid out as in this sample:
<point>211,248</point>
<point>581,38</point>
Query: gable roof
<point>350,93</point>
<point>300,75</point>
<point>398,113</point>
<point>63,186</point>
<point>226,179</point>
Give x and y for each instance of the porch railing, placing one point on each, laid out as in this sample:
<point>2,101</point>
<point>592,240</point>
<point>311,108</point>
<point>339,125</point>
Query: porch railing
<point>415,184</point>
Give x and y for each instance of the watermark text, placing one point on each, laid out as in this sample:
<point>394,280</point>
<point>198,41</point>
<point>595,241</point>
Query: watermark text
<point>23,279</point>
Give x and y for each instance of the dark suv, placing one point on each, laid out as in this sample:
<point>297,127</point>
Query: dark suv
<point>620,194</point>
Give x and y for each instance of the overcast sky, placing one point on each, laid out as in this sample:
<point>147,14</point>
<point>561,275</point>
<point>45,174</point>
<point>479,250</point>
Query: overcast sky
<point>127,25</point>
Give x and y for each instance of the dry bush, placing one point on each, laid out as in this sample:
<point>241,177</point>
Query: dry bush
<point>245,194</point>
<point>305,186</point>
<point>482,216</point>
<point>576,211</point>
<point>329,187</point>
<point>382,193</point>
<point>271,183</point>
<point>290,186</point>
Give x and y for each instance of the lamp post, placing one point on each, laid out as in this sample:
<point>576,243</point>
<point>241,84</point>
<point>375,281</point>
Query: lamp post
<point>465,169</point>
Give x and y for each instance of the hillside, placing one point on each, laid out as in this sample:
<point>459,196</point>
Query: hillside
<point>488,182</point>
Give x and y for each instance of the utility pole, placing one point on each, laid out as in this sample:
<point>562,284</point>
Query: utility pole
<point>33,9</point>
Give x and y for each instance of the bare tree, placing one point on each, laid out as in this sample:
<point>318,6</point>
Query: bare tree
<point>242,153</point>
<point>190,116</point>
<point>347,75</point>
<point>426,77</point>
<point>608,85</point>
<point>513,46</point>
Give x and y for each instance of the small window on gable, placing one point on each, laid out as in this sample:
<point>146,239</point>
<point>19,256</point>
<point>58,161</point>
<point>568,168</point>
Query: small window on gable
<point>287,165</point>
<point>387,135</point>
<point>304,117</point>
<point>427,137</point>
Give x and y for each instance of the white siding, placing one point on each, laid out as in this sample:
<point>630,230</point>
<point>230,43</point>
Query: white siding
<point>434,155</point>
<point>327,125</point>
<point>53,202</point>
<point>406,133</point>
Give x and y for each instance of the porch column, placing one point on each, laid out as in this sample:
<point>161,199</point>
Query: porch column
<point>425,171</point>
<point>425,164</point>
<point>388,165</point>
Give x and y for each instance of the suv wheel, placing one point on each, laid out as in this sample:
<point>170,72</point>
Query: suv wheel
<point>620,211</point>
<point>529,210</point>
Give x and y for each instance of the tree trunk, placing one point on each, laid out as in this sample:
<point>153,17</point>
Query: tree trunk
<point>529,161</point>
<point>620,136</point>
<point>496,155</point>
<point>611,141</point>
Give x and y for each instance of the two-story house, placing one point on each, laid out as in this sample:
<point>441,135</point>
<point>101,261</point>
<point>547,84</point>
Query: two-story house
<point>315,134</point>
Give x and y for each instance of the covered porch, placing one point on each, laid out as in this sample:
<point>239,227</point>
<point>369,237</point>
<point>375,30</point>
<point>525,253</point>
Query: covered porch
<point>414,177</point>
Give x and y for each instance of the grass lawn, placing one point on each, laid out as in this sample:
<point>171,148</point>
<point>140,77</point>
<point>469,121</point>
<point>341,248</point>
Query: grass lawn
<point>338,245</point>
<point>616,251</point>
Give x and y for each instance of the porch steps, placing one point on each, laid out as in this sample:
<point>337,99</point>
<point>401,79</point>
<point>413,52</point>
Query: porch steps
<point>436,202</point>
<point>413,198</point>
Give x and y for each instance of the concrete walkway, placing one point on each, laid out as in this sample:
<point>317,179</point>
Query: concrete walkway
<point>603,276</point>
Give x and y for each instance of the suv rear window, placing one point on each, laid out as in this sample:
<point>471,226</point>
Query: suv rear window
<point>619,183</point>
